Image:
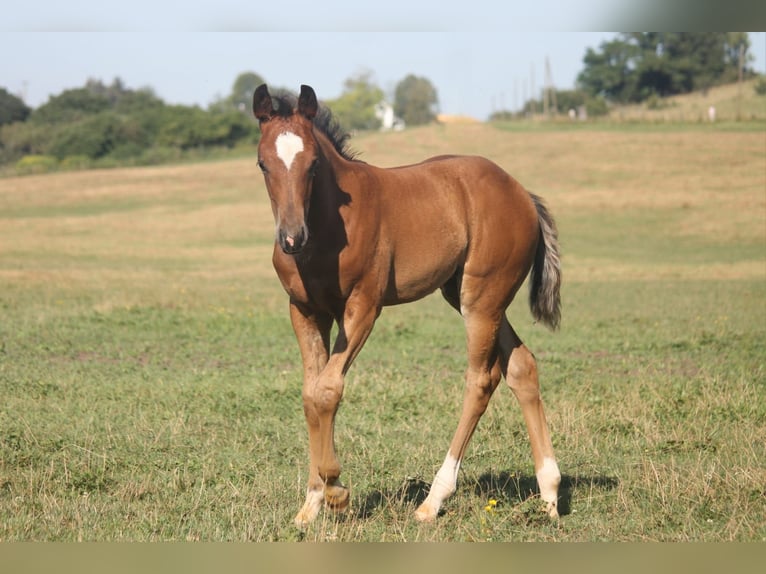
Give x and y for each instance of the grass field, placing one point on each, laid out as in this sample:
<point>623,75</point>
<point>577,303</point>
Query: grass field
<point>151,382</point>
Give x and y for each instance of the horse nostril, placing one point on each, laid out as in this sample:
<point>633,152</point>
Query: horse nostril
<point>292,243</point>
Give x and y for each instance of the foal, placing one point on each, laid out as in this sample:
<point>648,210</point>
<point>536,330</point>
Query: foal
<point>351,238</point>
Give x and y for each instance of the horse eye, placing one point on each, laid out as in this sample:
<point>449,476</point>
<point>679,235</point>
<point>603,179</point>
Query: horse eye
<point>313,167</point>
<point>262,166</point>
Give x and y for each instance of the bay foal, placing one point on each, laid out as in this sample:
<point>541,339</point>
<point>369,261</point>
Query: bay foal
<point>352,238</point>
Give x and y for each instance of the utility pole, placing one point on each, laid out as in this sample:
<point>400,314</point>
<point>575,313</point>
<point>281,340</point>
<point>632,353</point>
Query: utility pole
<point>549,97</point>
<point>741,65</point>
<point>524,94</point>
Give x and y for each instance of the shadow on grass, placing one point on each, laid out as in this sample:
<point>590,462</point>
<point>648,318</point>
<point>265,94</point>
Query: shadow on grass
<point>503,485</point>
<point>412,491</point>
<point>519,487</point>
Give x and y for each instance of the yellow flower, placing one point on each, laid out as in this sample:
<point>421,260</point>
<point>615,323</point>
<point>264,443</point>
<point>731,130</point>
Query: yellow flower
<point>491,504</point>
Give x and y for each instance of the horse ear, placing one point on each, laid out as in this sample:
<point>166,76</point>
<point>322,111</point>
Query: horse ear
<point>307,102</point>
<point>262,108</point>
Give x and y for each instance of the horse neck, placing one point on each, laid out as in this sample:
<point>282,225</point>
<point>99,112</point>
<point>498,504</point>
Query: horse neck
<point>335,161</point>
<point>327,190</point>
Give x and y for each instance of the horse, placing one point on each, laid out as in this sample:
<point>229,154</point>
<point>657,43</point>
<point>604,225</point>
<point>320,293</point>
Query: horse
<point>352,238</point>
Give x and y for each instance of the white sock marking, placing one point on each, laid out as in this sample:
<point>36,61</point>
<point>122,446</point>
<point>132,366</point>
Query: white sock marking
<point>288,146</point>
<point>445,481</point>
<point>548,479</point>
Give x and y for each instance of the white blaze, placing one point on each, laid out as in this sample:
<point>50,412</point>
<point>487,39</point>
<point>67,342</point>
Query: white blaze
<point>288,146</point>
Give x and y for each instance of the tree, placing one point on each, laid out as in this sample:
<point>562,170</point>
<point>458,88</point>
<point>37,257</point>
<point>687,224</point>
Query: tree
<point>415,100</point>
<point>355,108</point>
<point>12,108</point>
<point>639,65</point>
<point>113,92</point>
<point>676,63</point>
<point>241,97</point>
<point>70,105</point>
<point>736,41</point>
<point>608,72</point>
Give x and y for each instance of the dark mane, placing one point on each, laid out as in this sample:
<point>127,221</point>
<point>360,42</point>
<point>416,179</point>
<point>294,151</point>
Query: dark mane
<point>284,104</point>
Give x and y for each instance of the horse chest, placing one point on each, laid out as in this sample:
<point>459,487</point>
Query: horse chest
<point>317,283</point>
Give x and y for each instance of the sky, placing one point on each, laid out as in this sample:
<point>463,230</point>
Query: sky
<point>481,55</point>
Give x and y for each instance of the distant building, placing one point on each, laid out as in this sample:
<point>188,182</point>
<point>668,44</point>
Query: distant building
<point>388,120</point>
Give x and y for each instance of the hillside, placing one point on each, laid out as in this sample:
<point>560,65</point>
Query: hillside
<point>731,102</point>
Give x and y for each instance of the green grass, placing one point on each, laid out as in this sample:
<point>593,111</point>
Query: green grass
<point>151,381</point>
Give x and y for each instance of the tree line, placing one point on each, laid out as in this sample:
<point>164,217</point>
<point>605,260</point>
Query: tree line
<point>111,124</point>
<point>107,124</point>
<point>641,67</point>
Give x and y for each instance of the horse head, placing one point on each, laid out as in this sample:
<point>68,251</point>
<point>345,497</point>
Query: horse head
<point>288,156</point>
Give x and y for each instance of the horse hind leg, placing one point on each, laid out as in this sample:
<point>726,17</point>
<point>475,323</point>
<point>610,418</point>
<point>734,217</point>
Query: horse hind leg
<point>482,377</point>
<point>513,360</point>
<point>521,376</point>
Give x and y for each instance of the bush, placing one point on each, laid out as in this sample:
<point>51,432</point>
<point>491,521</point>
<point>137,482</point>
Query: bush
<point>125,151</point>
<point>187,128</point>
<point>570,99</point>
<point>596,107</point>
<point>22,138</point>
<point>75,162</point>
<point>30,164</point>
<point>94,137</point>
<point>501,116</point>
<point>158,155</point>
<point>654,102</point>
<point>760,86</point>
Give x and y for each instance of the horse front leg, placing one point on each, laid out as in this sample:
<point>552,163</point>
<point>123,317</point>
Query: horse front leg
<point>313,333</point>
<point>321,396</point>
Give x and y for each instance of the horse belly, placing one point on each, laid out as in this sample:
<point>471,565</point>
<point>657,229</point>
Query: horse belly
<point>416,286</point>
<point>420,267</point>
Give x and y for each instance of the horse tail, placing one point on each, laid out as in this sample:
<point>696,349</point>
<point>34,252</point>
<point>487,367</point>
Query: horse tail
<point>545,284</point>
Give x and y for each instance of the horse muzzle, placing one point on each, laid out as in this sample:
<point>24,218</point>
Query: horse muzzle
<point>292,243</point>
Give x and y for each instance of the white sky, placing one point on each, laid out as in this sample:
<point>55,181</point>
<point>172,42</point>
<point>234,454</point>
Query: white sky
<point>481,55</point>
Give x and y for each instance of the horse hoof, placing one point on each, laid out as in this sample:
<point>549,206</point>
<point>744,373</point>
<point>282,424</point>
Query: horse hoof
<point>309,510</point>
<point>302,520</point>
<point>425,513</point>
<point>336,497</point>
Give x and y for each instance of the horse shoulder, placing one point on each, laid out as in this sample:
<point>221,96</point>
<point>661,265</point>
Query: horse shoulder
<point>289,276</point>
